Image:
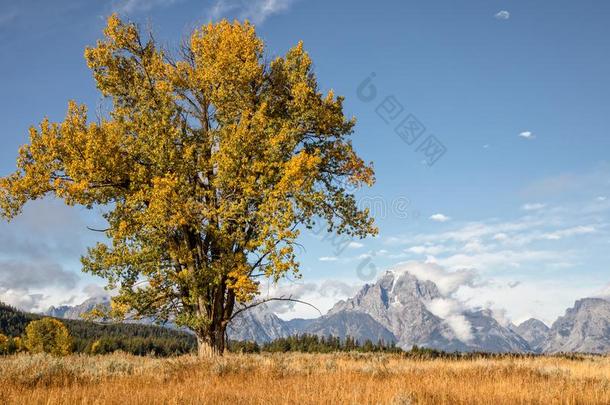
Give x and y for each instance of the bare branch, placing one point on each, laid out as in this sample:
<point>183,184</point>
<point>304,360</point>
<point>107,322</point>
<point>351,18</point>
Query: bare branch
<point>98,230</point>
<point>255,304</point>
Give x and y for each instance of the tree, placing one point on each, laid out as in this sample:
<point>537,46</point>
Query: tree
<point>16,345</point>
<point>207,166</point>
<point>4,344</point>
<point>48,335</point>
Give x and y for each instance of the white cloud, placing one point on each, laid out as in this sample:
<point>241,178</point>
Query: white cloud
<point>328,259</point>
<point>133,6</point>
<point>452,312</point>
<point>500,237</point>
<point>527,135</point>
<point>448,282</point>
<point>500,259</point>
<point>502,15</point>
<point>529,243</point>
<point>473,230</point>
<point>96,291</point>
<point>501,316</point>
<point>22,299</point>
<point>532,206</point>
<point>604,293</point>
<point>447,307</point>
<point>474,246</point>
<point>256,11</point>
<point>439,218</point>
<point>539,225</point>
<point>540,299</point>
<point>428,249</point>
<point>569,232</point>
<point>355,245</point>
<point>322,294</point>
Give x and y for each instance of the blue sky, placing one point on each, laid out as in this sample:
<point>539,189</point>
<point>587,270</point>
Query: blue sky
<point>515,93</point>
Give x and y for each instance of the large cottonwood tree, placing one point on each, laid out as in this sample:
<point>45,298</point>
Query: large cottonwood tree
<point>207,164</point>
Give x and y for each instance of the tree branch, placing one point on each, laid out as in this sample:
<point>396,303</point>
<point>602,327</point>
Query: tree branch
<point>255,304</point>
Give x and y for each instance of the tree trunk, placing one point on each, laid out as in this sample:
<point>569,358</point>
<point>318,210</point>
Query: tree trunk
<point>211,337</point>
<point>211,343</point>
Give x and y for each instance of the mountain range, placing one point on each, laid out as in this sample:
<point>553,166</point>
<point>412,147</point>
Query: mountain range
<point>408,311</point>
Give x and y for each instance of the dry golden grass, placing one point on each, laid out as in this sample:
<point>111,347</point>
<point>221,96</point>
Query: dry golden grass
<point>350,378</point>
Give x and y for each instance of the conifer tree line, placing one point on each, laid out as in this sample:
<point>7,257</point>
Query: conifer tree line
<point>96,338</point>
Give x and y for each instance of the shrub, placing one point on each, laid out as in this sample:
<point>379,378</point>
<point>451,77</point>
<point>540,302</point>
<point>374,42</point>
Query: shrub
<point>48,335</point>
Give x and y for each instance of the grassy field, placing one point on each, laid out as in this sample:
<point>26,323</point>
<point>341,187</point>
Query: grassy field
<point>347,378</point>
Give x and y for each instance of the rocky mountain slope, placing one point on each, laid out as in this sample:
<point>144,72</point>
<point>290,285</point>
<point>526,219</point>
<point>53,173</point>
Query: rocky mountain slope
<point>535,332</point>
<point>358,325</point>
<point>76,311</point>
<point>258,324</point>
<point>584,328</point>
<point>402,303</point>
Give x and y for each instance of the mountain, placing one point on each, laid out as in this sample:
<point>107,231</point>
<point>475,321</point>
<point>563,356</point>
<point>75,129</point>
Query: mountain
<point>395,309</point>
<point>489,336</point>
<point>535,332</point>
<point>258,324</point>
<point>403,309</point>
<point>358,325</point>
<point>401,303</point>
<point>398,303</point>
<point>76,311</point>
<point>58,312</point>
<point>584,328</point>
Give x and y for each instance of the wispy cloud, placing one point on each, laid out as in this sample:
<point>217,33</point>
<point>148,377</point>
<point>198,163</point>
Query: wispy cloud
<point>452,312</point>
<point>537,240</point>
<point>527,135</point>
<point>8,17</point>
<point>495,259</point>
<point>532,206</point>
<point>448,282</point>
<point>502,15</point>
<point>604,293</point>
<point>569,232</point>
<point>328,259</point>
<point>355,245</point>
<point>256,11</point>
<point>439,218</point>
<point>323,294</point>
<point>429,249</point>
<point>572,185</point>
<point>134,6</point>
